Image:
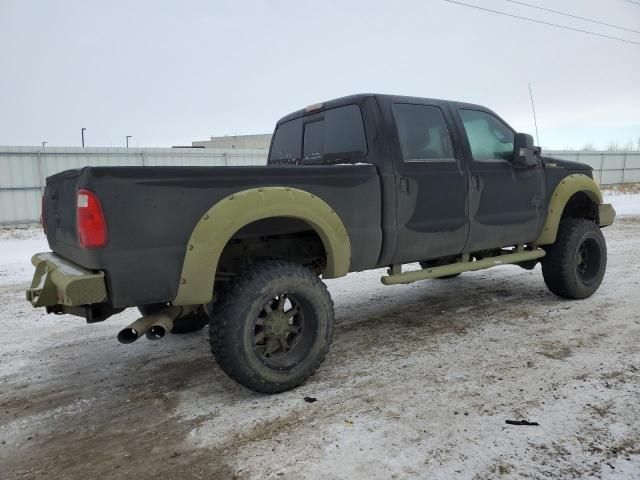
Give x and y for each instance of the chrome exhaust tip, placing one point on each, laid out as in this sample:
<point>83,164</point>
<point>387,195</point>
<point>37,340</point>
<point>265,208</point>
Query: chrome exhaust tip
<point>154,326</point>
<point>162,325</point>
<point>136,330</point>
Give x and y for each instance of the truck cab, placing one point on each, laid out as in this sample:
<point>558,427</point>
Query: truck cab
<point>446,169</point>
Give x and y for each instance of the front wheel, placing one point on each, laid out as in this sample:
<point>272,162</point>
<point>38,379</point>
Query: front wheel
<point>575,264</point>
<point>274,327</point>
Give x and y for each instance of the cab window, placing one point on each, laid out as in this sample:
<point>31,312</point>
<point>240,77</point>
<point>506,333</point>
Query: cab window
<point>489,138</point>
<point>423,133</point>
<point>286,146</point>
<point>334,136</point>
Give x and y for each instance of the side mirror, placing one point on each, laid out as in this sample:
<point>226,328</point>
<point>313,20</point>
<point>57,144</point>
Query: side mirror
<point>524,152</point>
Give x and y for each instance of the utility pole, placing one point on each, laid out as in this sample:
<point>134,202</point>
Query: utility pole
<point>82,133</point>
<point>535,121</point>
<point>127,138</point>
<point>44,144</point>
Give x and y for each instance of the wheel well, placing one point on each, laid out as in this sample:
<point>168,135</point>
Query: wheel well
<point>580,206</point>
<point>277,237</point>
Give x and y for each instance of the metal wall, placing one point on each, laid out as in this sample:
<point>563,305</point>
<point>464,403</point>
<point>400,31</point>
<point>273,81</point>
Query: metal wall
<point>23,170</point>
<point>609,168</point>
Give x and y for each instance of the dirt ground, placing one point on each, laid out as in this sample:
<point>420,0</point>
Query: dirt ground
<point>419,384</point>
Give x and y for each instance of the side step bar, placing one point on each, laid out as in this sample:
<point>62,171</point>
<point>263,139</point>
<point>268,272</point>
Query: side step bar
<point>459,267</point>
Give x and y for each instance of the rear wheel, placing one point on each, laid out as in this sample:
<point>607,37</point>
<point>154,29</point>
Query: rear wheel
<point>273,328</point>
<point>575,264</point>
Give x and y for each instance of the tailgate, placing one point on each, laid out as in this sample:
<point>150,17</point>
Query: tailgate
<point>59,210</point>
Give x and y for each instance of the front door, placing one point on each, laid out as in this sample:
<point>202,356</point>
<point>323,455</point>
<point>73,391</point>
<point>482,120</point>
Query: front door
<point>506,202</point>
<point>431,183</point>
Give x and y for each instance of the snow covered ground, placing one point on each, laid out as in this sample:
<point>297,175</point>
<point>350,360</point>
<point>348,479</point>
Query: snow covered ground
<point>624,203</point>
<point>419,384</point>
<point>17,246</point>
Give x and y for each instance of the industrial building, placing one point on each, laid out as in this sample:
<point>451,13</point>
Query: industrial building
<point>259,141</point>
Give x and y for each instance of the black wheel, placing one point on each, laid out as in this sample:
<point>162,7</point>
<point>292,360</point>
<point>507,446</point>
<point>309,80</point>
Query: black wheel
<point>187,324</point>
<point>435,263</point>
<point>273,327</point>
<point>574,266</point>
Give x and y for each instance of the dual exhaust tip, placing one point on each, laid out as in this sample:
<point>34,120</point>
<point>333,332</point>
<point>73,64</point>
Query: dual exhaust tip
<point>154,326</point>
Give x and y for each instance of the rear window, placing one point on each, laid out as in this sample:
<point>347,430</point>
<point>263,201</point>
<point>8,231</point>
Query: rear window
<point>333,136</point>
<point>337,135</point>
<point>286,146</point>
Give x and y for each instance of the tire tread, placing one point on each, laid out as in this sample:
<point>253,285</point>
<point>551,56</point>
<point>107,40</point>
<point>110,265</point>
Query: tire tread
<point>558,265</point>
<point>229,312</point>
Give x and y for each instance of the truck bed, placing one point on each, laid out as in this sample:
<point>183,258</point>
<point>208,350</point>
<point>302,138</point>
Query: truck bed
<point>151,211</point>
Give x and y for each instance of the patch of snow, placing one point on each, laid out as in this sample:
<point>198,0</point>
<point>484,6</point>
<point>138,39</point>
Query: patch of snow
<point>624,203</point>
<point>15,257</point>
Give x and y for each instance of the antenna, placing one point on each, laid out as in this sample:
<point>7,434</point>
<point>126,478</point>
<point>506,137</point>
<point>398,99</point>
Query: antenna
<point>535,121</point>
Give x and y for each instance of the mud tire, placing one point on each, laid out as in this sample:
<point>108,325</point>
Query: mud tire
<point>232,330</point>
<point>574,265</point>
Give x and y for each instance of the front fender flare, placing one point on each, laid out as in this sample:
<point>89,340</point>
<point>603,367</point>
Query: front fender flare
<point>218,225</point>
<point>567,187</point>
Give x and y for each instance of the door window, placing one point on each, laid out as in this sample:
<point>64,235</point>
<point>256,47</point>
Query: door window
<point>336,135</point>
<point>423,133</point>
<point>489,138</point>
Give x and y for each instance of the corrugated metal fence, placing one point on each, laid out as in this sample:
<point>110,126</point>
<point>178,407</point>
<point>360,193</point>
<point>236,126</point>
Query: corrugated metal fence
<point>24,169</point>
<point>609,168</point>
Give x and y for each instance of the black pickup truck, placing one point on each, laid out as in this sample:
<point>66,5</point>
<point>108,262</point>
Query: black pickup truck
<point>356,183</point>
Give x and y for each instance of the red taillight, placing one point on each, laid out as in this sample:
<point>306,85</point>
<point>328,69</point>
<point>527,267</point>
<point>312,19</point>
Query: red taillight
<point>92,227</point>
<point>43,221</point>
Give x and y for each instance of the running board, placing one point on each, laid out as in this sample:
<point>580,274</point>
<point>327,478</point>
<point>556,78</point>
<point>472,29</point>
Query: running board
<point>459,267</point>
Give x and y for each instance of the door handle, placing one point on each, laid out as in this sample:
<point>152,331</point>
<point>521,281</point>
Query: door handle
<point>404,184</point>
<point>475,182</point>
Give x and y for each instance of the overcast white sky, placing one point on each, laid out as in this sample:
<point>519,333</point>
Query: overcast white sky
<point>170,72</point>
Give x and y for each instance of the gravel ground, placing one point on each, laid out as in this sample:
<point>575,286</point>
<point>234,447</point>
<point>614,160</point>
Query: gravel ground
<point>419,384</point>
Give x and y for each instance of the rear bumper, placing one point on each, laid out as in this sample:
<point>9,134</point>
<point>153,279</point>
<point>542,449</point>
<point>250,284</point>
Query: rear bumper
<point>606,214</point>
<point>59,282</point>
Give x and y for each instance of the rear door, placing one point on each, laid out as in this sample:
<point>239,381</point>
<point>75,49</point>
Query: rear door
<point>505,201</point>
<point>431,182</point>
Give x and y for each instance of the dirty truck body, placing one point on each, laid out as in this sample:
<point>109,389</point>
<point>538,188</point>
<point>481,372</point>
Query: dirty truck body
<point>352,184</point>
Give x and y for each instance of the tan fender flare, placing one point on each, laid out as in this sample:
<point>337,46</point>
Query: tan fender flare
<point>225,218</point>
<point>567,187</point>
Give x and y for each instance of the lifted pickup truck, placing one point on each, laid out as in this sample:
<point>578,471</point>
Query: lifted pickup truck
<point>356,183</point>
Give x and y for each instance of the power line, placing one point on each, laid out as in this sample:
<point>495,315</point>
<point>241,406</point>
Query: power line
<point>542,22</point>
<point>574,16</point>
<point>631,1</point>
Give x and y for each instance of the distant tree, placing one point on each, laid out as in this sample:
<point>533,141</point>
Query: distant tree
<point>629,145</point>
<point>613,147</point>
<point>588,147</point>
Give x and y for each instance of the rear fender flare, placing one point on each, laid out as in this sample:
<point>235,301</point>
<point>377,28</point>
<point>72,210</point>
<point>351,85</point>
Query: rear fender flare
<point>567,187</point>
<point>220,223</point>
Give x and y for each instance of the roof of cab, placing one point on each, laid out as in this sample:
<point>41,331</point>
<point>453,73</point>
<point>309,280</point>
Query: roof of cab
<point>360,97</point>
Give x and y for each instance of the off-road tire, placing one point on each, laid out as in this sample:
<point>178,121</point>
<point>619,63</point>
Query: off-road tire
<point>232,330</point>
<point>189,323</point>
<point>568,271</point>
